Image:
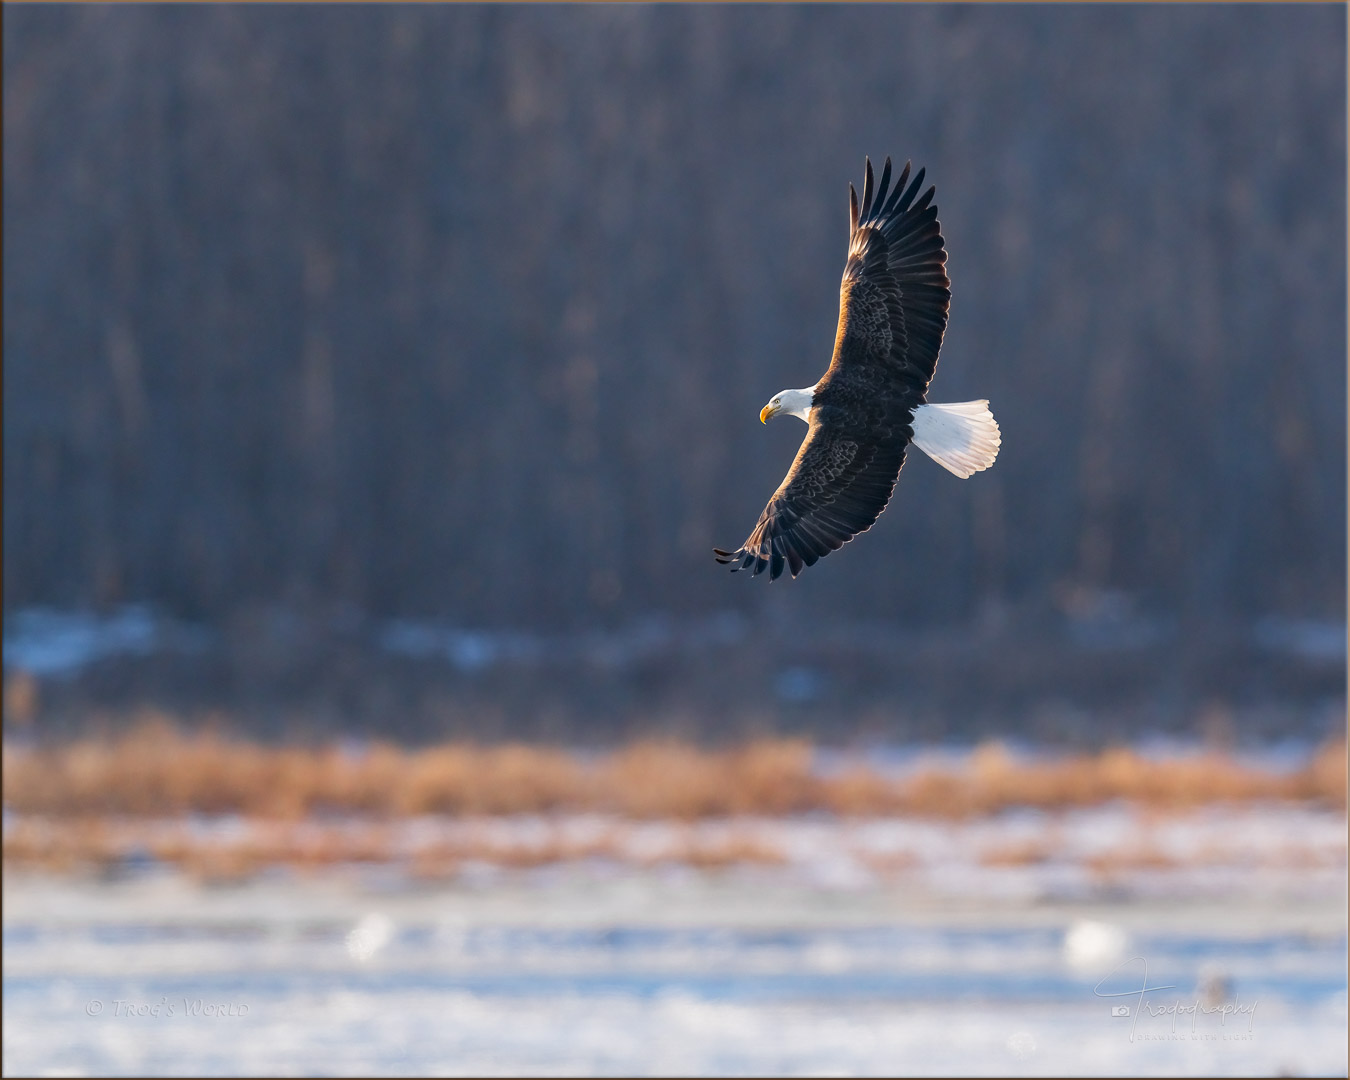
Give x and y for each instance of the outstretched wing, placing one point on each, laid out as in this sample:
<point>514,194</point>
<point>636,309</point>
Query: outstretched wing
<point>892,314</point>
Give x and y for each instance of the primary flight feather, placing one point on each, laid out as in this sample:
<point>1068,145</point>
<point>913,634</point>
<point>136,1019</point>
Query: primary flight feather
<point>867,408</point>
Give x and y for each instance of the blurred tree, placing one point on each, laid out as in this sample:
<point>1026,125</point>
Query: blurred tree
<point>469,310</point>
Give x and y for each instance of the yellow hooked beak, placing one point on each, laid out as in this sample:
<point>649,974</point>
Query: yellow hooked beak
<point>765,413</point>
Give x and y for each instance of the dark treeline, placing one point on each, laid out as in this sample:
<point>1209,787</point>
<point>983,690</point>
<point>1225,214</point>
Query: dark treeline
<point>468,311</point>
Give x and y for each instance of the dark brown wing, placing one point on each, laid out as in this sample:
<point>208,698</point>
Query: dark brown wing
<point>892,315</point>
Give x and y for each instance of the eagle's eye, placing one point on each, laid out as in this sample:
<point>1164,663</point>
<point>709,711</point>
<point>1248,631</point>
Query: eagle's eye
<point>778,401</point>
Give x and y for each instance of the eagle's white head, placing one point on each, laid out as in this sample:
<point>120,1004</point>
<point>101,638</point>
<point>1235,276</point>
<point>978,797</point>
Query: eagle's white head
<point>792,402</point>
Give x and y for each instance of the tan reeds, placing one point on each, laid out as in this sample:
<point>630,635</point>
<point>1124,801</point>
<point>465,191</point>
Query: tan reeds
<point>66,843</point>
<point>668,779</point>
<point>157,771</point>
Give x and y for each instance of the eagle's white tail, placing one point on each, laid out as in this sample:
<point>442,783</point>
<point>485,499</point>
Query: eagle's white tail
<point>963,437</point>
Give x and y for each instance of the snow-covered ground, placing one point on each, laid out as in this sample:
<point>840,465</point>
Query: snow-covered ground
<point>871,947</point>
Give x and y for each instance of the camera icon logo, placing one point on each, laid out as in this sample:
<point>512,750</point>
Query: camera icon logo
<point>1120,1010</point>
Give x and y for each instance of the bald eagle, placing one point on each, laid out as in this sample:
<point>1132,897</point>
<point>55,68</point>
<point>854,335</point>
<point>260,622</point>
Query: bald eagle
<point>870,404</point>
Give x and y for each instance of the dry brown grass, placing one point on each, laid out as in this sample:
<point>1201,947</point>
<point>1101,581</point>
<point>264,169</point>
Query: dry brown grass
<point>1027,853</point>
<point>68,843</point>
<point>889,863</point>
<point>668,779</point>
<point>1131,859</point>
<point>994,780</point>
<point>459,779</point>
<point>157,771</point>
<point>156,791</point>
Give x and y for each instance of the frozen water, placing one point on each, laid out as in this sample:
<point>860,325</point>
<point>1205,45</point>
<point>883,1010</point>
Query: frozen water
<point>48,642</point>
<point>592,970</point>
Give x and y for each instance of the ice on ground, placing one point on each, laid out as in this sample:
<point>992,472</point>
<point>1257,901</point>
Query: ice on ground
<point>818,965</point>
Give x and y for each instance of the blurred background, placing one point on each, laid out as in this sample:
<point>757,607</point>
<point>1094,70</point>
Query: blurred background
<point>407,363</point>
<point>386,375</point>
